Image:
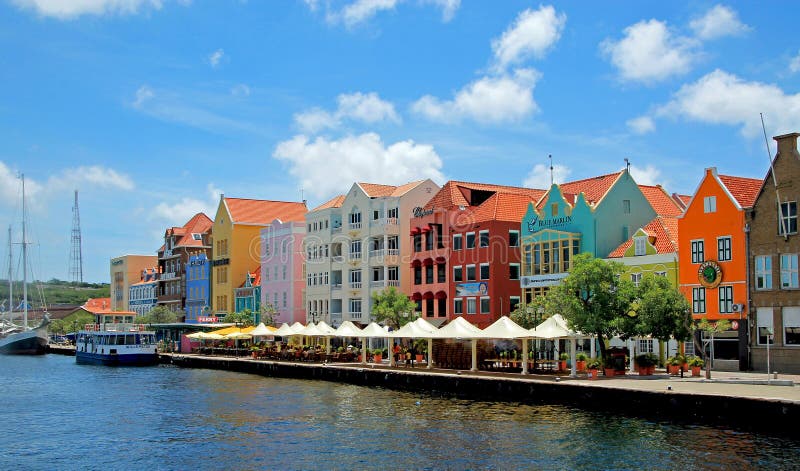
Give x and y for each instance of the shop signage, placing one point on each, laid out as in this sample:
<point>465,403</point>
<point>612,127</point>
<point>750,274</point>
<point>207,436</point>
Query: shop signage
<point>117,262</point>
<point>207,319</point>
<point>537,224</point>
<point>539,281</point>
<point>472,289</point>
<point>223,261</point>
<point>735,325</point>
<point>420,212</point>
<point>709,274</point>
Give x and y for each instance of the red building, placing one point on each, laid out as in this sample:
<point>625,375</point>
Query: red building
<point>466,251</point>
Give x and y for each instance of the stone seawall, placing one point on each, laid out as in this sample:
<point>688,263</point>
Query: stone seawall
<point>769,415</point>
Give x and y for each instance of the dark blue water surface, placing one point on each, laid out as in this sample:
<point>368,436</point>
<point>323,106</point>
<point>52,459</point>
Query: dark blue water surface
<point>59,415</point>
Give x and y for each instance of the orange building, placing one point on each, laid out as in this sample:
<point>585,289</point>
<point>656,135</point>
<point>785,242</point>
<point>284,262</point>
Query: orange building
<point>713,259</point>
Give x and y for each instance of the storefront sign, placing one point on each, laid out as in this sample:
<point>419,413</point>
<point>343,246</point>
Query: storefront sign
<point>207,320</point>
<point>472,289</point>
<point>709,274</point>
<point>223,261</point>
<point>420,212</point>
<point>735,325</point>
<point>535,224</point>
<point>539,281</point>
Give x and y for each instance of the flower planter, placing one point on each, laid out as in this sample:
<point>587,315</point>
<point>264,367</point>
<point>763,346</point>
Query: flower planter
<point>377,358</point>
<point>420,358</point>
<point>562,365</point>
<point>609,372</point>
<point>593,373</point>
<point>580,365</point>
<point>673,369</point>
<point>696,370</point>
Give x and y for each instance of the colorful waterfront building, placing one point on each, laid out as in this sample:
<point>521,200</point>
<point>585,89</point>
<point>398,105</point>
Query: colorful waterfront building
<point>713,259</point>
<point>773,259</point>
<point>142,297</point>
<point>594,215</point>
<point>282,279</point>
<point>124,271</point>
<point>198,288</point>
<point>465,254</point>
<point>179,244</point>
<point>248,295</point>
<point>237,242</point>
<point>354,248</point>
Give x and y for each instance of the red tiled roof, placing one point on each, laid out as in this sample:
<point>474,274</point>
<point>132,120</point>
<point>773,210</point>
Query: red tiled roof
<point>663,232</point>
<point>745,190</point>
<point>375,190</point>
<point>661,201</point>
<point>593,188</point>
<point>682,200</point>
<point>263,212</point>
<point>454,193</point>
<point>198,224</point>
<point>95,305</point>
<point>335,202</point>
<point>256,275</point>
<point>502,207</point>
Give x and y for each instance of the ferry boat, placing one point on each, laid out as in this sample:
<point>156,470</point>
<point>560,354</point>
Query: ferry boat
<point>116,344</point>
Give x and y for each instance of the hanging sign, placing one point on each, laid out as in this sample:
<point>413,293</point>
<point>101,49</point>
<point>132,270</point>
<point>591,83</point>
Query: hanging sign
<point>709,274</point>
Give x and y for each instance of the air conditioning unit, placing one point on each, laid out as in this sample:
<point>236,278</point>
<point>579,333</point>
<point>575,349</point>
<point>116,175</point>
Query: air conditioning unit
<point>738,307</point>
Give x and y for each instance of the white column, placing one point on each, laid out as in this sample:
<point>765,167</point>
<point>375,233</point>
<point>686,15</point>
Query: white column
<point>524,356</point>
<point>391,352</point>
<point>363,350</point>
<point>573,368</point>
<point>631,353</point>
<point>430,353</point>
<point>592,347</point>
<point>474,355</point>
<point>385,253</point>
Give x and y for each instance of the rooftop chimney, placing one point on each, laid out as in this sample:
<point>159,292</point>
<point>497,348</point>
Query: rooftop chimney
<point>787,144</point>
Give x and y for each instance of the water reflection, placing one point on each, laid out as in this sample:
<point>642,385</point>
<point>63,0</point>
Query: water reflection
<point>170,418</point>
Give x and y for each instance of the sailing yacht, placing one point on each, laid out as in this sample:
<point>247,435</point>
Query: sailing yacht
<point>18,339</point>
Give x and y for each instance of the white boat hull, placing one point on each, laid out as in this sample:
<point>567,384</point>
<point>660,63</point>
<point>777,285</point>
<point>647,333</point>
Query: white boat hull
<point>29,342</point>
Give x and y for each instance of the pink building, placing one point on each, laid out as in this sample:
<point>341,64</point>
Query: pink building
<point>282,280</point>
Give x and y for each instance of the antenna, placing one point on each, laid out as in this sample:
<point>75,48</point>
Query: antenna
<point>774,181</point>
<point>550,156</point>
<point>75,252</point>
<point>627,165</point>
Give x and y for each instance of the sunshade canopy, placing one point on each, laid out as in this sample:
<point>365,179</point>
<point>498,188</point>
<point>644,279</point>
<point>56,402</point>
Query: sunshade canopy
<point>505,328</point>
<point>554,327</point>
<point>348,329</point>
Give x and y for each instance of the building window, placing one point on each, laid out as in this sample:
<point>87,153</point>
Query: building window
<point>441,273</point>
<point>429,274</point>
<point>791,326</point>
<point>699,300</point>
<point>485,305</point>
<point>513,303</point>
<point>376,214</point>
<point>355,220</point>
<point>661,273</point>
<point>710,204</point>
<point>458,274</point>
<point>484,238</point>
<point>725,299</point>
<point>484,271</point>
<point>284,299</point>
<point>417,242</point>
<point>513,271</point>
<point>470,240</point>
<point>394,274</point>
<point>457,241</point>
<point>470,272</point>
<point>724,248</point>
<point>645,346</point>
<point>355,279</point>
<point>355,308</point>
<point>355,248</point>
<point>417,275</point>
<point>471,304</point>
<point>764,272</point>
<point>789,270</point>
<point>640,246</point>
<point>513,238</point>
<point>697,252</point>
<point>626,206</point>
<point>458,306</point>
<point>787,224</point>
<point>636,278</point>
<point>765,327</point>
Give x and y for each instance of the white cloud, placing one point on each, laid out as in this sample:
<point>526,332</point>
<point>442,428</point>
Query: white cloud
<point>184,209</point>
<point>649,52</point>
<point>506,98</point>
<point>324,167</point>
<point>70,9</point>
<point>641,125</point>
<point>97,176</point>
<point>646,176</point>
<point>11,187</point>
<point>719,21</point>
<point>794,64</point>
<point>367,108</point>
<point>143,94</point>
<point>533,33</point>
<point>449,8</point>
<point>539,176</point>
<point>215,57</point>
<point>360,11</point>
<point>723,98</point>
<point>240,90</point>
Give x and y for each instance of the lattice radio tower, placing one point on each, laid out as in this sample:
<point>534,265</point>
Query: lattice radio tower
<point>75,252</point>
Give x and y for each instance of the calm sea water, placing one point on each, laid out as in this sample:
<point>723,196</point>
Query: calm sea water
<point>59,415</point>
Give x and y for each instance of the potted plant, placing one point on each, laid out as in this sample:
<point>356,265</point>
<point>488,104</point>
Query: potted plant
<point>608,367</point>
<point>254,351</point>
<point>646,363</point>
<point>580,361</point>
<point>562,363</point>
<point>696,364</point>
<point>674,364</point>
<point>421,346</point>
<point>377,355</point>
<point>594,365</point>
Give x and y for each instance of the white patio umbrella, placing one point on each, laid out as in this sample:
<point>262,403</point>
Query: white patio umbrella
<point>261,330</point>
<point>328,332</point>
<point>347,329</point>
<point>505,328</point>
<point>372,330</point>
<point>297,327</point>
<point>416,330</point>
<point>284,331</point>
<point>555,327</point>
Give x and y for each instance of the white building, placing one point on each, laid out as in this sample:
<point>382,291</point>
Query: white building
<point>142,296</point>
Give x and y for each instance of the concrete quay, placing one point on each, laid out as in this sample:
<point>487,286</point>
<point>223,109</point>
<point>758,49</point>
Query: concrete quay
<point>727,400</point>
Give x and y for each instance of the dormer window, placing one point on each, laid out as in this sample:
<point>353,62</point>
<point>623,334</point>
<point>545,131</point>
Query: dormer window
<point>197,236</point>
<point>640,245</point>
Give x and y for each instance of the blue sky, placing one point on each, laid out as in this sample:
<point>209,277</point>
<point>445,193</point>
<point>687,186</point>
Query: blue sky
<point>151,108</point>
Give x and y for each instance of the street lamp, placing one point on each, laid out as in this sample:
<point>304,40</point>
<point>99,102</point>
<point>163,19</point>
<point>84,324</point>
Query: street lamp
<point>769,341</point>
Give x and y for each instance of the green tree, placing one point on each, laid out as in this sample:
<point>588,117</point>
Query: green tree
<point>530,315</point>
<point>661,310</point>
<point>158,315</point>
<point>57,326</point>
<point>268,314</point>
<point>244,318</point>
<point>392,308</point>
<point>711,329</point>
<point>77,321</point>
<point>594,298</point>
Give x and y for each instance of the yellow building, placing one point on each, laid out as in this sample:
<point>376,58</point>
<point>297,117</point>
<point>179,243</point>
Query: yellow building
<point>124,271</point>
<point>237,244</point>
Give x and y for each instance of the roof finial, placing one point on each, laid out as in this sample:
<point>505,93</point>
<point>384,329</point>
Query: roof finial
<point>550,156</point>
<point>627,165</point>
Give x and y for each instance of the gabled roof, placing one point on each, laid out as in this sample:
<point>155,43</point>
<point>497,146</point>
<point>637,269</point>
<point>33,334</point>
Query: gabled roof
<point>745,190</point>
<point>661,201</point>
<point>335,202</point>
<point>95,305</point>
<point>198,224</point>
<point>682,200</point>
<point>663,233</point>
<point>592,188</point>
<point>375,190</point>
<point>255,276</point>
<point>454,194</point>
<point>263,212</point>
<point>502,207</point>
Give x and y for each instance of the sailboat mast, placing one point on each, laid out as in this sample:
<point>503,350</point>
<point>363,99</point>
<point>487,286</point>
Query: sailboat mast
<point>24,261</point>
<point>10,282</point>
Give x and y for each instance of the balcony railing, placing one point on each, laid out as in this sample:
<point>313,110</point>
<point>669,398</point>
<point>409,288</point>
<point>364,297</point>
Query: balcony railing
<point>392,252</point>
<point>337,259</point>
<point>376,253</point>
<point>336,229</point>
<point>355,285</point>
<point>354,256</point>
<point>355,225</point>
<point>376,284</point>
<point>394,283</point>
<point>355,314</point>
<point>336,286</point>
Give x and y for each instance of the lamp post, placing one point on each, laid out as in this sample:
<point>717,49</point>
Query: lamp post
<point>769,341</point>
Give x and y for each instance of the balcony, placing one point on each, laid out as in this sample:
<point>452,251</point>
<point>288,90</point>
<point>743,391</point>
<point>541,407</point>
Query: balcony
<point>336,286</point>
<point>354,256</point>
<point>376,253</point>
<point>376,284</point>
<point>169,298</point>
<point>393,252</point>
<point>395,283</point>
<point>337,259</point>
<point>354,225</point>
<point>355,285</point>
<point>169,276</point>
